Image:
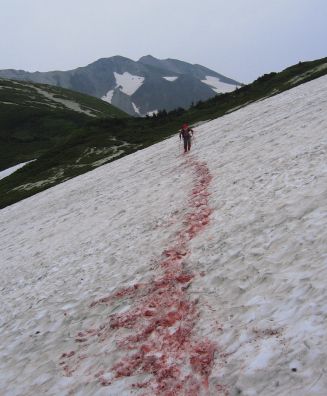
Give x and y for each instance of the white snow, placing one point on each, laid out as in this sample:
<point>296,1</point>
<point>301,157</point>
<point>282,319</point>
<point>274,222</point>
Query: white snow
<point>217,85</point>
<point>172,78</point>
<point>108,96</point>
<point>128,83</point>
<point>260,265</point>
<point>152,112</point>
<point>136,109</point>
<point>12,169</point>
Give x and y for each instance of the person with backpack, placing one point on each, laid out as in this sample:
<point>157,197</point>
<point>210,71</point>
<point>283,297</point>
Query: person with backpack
<point>186,133</point>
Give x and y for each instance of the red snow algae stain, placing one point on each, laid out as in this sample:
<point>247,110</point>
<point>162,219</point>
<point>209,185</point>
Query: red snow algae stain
<point>157,330</point>
<point>124,292</point>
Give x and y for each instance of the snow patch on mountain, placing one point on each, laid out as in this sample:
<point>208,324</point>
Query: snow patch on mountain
<point>151,113</point>
<point>128,83</point>
<point>170,78</point>
<point>108,96</point>
<point>136,109</point>
<point>217,85</point>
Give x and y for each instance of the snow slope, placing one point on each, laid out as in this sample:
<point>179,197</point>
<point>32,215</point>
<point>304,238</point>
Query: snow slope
<point>132,279</point>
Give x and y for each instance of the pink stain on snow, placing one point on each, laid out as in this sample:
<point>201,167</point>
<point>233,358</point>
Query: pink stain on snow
<point>161,343</point>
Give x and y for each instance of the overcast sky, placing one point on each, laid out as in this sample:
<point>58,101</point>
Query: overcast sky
<point>241,39</point>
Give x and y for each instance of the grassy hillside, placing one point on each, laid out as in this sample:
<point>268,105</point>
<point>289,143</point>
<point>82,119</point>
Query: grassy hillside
<point>35,117</point>
<point>93,142</point>
<point>44,96</point>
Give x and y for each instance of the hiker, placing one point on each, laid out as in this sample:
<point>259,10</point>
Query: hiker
<point>186,133</point>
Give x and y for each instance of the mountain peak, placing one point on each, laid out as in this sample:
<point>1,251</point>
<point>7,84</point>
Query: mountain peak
<point>137,87</point>
<point>115,58</point>
<point>147,57</point>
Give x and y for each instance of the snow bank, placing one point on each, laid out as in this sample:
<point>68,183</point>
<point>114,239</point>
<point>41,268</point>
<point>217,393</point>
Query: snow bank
<point>72,257</point>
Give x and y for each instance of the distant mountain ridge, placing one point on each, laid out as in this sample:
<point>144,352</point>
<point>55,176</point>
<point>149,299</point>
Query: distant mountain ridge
<point>137,87</point>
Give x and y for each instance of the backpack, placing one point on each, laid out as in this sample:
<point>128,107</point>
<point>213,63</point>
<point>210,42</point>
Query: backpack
<point>186,132</point>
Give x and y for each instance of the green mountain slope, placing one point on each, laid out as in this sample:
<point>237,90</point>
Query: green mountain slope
<point>264,87</point>
<point>34,117</point>
<point>97,141</point>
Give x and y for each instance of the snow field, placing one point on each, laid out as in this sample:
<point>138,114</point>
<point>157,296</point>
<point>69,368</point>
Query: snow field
<point>83,257</point>
<point>258,267</point>
<point>265,251</point>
